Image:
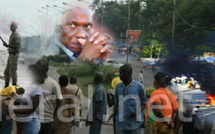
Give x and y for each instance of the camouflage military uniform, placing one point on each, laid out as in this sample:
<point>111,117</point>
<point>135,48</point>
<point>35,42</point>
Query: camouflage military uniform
<point>11,68</point>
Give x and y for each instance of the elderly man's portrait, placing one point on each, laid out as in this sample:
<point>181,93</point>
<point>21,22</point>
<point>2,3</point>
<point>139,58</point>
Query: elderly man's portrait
<point>80,41</point>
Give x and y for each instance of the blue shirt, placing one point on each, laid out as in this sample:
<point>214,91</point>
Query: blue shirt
<point>210,59</point>
<point>100,95</point>
<point>127,100</point>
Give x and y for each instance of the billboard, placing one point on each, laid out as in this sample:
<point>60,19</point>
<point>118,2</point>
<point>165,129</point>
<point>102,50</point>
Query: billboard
<point>133,35</point>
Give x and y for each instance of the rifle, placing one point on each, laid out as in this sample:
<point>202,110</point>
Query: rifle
<point>3,41</point>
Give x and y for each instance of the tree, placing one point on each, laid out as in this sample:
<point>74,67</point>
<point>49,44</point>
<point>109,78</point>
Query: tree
<point>158,49</point>
<point>115,16</point>
<point>193,19</point>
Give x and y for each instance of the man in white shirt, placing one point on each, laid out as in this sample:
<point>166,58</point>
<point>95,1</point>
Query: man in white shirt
<point>51,92</point>
<point>141,76</point>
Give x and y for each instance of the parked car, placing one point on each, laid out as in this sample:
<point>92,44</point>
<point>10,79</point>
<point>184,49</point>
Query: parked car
<point>112,62</point>
<point>149,64</point>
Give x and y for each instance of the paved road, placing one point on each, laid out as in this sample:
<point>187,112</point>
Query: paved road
<point>137,66</point>
<point>23,81</point>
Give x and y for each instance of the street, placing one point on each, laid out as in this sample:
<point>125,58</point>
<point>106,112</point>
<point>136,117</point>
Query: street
<point>173,36</point>
<point>148,75</point>
<point>23,81</point>
<point>107,129</point>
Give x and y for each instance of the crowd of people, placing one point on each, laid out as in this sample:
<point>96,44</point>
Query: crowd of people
<point>36,112</point>
<point>184,80</point>
<point>51,107</point>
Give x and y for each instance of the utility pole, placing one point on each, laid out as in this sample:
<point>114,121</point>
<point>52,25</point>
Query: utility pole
<point>46,21</point>
<point>173,25</point>
<point>102,14</point>
<point>127,39</point>
<point>62,10</point>
<point>48,7</point>
<point>152,49</point>
<point>159,52</point>
<point>153,43</point>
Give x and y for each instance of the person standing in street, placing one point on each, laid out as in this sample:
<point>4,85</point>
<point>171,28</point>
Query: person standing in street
<point>161,107</point>
<point>25,111</point>
<point>98,105</point>
<point>129,102</point>
<point>64,127</point>
<point>111,92</point>
<point>189,83</point>
<point>111,96</point>
<point>13,50</point>
<point>141,76</point>
<point>28,119</point>
<point>114,82</point>
<point>76,91</point>
<point>51,93</point>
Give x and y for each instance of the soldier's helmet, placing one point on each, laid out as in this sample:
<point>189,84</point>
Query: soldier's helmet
<point>14,23</point>
<point>13,26</point>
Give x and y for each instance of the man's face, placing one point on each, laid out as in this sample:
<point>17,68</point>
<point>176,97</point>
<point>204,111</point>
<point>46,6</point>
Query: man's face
<point>122,75</point>
<point>77,29</point>
<point>13,27</point>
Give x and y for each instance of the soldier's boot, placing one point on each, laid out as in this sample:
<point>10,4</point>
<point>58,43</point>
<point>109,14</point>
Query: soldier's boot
<point>6,84</point>
<point>14,84</point>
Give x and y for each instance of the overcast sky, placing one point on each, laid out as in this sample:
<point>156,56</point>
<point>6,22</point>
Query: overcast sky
<point>32,22</point>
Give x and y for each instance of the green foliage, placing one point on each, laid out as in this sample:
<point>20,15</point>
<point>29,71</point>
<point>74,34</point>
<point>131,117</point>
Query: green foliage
<point>109,73</point>
<point>149,91</point>
<point>193,18</point>
<point>57,58</point>
<point>115,16</point>
<point>79,70</point>
<point>83,83</point>
<point>200,49</point>
<point>191,31</point>
<point>85,74</point>
<point>158,19</point>
<point>157,49</point>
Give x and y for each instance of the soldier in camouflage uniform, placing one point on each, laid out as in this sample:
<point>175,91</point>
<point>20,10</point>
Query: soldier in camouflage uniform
<point>13,50</point>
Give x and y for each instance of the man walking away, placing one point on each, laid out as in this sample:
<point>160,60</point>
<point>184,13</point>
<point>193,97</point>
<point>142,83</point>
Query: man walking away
<point>97,114</point>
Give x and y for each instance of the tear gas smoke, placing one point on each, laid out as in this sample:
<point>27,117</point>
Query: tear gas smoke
<point>201,71</point>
